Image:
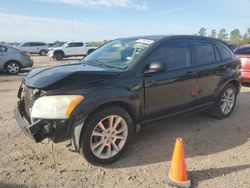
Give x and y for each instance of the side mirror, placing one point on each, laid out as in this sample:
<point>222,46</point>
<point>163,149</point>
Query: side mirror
<point>156,67</point>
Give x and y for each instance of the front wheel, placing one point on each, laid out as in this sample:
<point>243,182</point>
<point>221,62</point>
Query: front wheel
<point>58,56</point>
<point>106,135</point>
<point>225,103</point>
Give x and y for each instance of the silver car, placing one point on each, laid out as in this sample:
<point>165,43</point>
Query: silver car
<point>13,60</point>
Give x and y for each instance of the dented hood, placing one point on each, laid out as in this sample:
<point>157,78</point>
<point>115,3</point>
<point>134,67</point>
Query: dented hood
<point>47,76</point>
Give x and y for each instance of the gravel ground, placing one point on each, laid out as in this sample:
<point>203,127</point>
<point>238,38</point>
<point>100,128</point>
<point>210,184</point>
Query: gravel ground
<point>217,151</point>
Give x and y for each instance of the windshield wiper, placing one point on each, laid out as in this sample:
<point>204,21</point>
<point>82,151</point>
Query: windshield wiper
<point>102,64</point>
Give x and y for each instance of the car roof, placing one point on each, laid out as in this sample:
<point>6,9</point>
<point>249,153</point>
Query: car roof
<point>162,37</point>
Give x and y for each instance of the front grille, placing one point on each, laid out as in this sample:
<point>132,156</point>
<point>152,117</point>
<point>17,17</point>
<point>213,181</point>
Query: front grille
<point>28,98</point>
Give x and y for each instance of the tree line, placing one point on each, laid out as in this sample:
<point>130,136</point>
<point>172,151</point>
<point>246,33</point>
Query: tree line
<point>234,37</point>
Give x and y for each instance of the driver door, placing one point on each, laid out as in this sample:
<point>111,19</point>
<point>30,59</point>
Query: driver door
<point>169,91</point>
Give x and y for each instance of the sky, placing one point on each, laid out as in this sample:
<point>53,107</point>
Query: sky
<point>94,20</point>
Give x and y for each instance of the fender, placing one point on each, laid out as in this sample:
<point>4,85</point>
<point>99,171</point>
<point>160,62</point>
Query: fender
<point>229,76</point>
<point>108,96</point>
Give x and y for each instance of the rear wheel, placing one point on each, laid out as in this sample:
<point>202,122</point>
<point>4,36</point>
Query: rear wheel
<point>225,103</point>
<point>42,53</point>
<point>13,67</point>
<point>106,135</point>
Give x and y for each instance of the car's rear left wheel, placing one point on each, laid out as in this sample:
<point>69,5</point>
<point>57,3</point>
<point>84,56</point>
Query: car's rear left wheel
<point>225,103</point>
<point>106,135</point>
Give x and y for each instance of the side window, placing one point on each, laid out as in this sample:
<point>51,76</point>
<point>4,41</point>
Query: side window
<point>79,44</point>
<point>225,53</point>
<point>40,44</point>
<point>3,49</point>
<point>72,44</point>
<point>203,53</point>
<point>175,55</point>
<point>26,44</point>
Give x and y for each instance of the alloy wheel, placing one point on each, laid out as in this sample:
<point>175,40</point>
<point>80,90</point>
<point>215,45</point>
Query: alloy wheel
<point>108,137</point>
<point>13,68</point>
<point>227,101</point>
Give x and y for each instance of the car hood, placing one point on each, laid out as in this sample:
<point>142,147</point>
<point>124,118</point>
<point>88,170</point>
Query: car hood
<point>75,72</point>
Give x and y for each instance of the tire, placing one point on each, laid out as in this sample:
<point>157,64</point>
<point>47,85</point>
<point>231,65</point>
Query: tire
<point>58,56</point>
<point>224,101</point>
<point>42,53</point>
<point>94,133</point>
<point>13,67</point>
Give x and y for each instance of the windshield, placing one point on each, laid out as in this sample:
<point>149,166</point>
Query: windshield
<point>119,53</point>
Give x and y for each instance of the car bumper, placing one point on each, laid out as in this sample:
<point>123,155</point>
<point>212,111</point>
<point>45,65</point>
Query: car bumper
<point>245,74</point>
<point>27,63</point>
<point>32,131</point>
<point>56,130</point>
<point>50,54</point>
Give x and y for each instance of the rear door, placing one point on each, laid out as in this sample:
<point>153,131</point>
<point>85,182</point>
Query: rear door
<point>207,65</point>
<point>79,48</point>
<point>170,91</point>
<point>3,55</point>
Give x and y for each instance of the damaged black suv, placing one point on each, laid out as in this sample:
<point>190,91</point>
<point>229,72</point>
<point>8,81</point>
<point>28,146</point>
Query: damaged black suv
<point>101,101</point>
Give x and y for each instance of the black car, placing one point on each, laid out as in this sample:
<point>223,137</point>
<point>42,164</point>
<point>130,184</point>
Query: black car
<point>100,102</point>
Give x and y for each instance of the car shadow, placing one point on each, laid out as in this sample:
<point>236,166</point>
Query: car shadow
<point>12,185</point>
<point>202,135</point>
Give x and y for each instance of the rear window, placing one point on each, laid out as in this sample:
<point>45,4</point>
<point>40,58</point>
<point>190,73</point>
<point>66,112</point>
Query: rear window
<point>225,53</point>
<point>3,49</point>
<point>204,53</point>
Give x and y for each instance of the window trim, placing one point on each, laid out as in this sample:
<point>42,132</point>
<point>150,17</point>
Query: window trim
<point>170,41</point>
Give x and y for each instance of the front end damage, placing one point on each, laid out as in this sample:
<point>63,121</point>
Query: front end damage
<point>38,129</point>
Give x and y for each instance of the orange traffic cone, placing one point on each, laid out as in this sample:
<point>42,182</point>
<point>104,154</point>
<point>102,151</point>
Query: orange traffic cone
<point>178,174</point>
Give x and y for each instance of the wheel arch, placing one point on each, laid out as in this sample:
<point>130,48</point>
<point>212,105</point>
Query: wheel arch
<point>12,60</point>
<point>59,51</point>
<point>78,127</point>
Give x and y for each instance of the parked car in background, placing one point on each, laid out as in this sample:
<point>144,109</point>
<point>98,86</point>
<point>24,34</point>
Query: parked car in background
<point>99,103</point>
<point>40,48</point>
<point>13,60</point>
<point>56,45</point>
<point>243,52</point>
<point>70,49</point>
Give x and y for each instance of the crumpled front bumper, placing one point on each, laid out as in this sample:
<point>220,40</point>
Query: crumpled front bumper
<point>31,130</point>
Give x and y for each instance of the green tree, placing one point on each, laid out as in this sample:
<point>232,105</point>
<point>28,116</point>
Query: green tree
<point>222,34</point>
<point>202,31</point>
<point>235,36</point>
<point>248,32</point>
<point>213,33</point>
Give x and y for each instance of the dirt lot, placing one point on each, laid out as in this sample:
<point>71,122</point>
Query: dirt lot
<point>217,151</point>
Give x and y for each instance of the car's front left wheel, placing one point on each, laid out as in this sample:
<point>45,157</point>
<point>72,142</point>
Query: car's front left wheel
<point>106,135</point>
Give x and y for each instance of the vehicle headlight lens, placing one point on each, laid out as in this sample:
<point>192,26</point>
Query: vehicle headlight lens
<point>55,107</point>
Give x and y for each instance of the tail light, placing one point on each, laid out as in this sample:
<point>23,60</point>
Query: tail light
<point>25,53</point>
<point>245,62</point>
